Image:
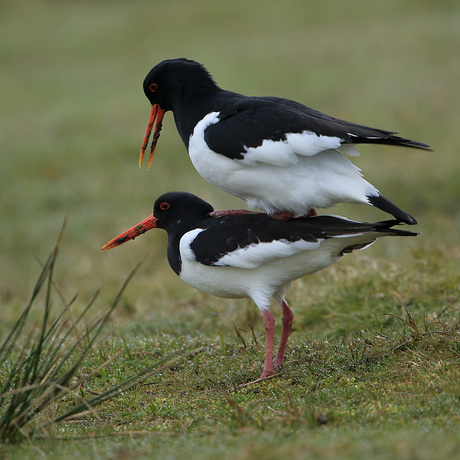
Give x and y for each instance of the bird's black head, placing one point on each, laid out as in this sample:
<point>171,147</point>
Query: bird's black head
<point>180,211</point>
<point>176,212</point>
<point>175,78</point>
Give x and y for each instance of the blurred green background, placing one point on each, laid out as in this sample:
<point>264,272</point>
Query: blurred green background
<point>73,115</point>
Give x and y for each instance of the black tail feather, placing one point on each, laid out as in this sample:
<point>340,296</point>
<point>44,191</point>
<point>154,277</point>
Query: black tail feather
<point>391,139</point>
<point>382,203</point>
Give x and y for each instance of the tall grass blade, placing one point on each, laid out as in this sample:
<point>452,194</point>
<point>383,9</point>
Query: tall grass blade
<point>40,366</point>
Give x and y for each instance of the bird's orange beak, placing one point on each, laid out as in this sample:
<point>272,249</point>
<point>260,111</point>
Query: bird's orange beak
<point>133,232</point>
<point>156,114</point>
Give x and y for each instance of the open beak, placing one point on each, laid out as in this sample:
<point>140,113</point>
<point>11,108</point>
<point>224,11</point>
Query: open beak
<point>156,114</point>
<point>133,232</point>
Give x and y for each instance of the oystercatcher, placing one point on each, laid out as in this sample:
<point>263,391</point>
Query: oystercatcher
<point>276,154</point>
<point>252,255</point>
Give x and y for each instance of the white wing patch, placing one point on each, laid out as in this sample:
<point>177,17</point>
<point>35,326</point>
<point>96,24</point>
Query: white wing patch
<point>284,152</point>
<point>257,254</point>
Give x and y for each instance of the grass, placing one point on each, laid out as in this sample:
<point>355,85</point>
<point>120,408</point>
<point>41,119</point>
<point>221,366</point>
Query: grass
<point>38,371</point>
<point>40,367</point>
<point>372,368</point>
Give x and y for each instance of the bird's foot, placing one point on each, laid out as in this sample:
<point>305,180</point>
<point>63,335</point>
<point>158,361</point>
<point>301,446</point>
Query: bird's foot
<point>287,215</point>
<point>231,212</point>
<point>266,374</point>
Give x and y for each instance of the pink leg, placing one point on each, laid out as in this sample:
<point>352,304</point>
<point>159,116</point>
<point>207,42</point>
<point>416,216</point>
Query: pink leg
<point>288,318</point>
<point>231,212</point>
<point>286,215</point>
<point>269,322</point>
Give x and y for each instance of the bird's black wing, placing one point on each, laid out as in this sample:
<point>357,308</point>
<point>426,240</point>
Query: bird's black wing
<point>246,122</point>
<point>249,240</point>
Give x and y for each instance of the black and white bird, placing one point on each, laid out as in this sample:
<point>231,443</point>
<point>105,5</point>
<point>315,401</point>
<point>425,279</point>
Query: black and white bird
<point>276,154</point>
<point>252,255</point>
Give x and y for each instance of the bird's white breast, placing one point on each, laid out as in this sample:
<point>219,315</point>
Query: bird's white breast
<point>262,281</point>
<point>303,172</point>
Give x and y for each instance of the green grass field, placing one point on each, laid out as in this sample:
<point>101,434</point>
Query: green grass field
<point>359,382</point>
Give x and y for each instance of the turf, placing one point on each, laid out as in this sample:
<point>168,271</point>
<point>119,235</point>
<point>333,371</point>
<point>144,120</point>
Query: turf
<point>364,377</point>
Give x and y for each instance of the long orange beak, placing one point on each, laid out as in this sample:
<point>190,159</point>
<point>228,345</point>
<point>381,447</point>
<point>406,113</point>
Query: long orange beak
<point>133,232</point>
<point>156,114</point>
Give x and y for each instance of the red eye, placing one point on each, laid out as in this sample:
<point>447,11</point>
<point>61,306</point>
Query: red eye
<point>153,87</point>
<point>164,206</point>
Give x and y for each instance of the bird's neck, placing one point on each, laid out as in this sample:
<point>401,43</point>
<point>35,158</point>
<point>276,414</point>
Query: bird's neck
<point>192,108</point>
<point>175,234</point>
<point>173,253</point>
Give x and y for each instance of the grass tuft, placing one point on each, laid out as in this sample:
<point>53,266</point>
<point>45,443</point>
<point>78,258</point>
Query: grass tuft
<point>40,366</point>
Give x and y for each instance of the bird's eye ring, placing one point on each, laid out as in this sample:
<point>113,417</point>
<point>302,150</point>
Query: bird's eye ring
<point>164,206</point>
<point>153,87</point>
